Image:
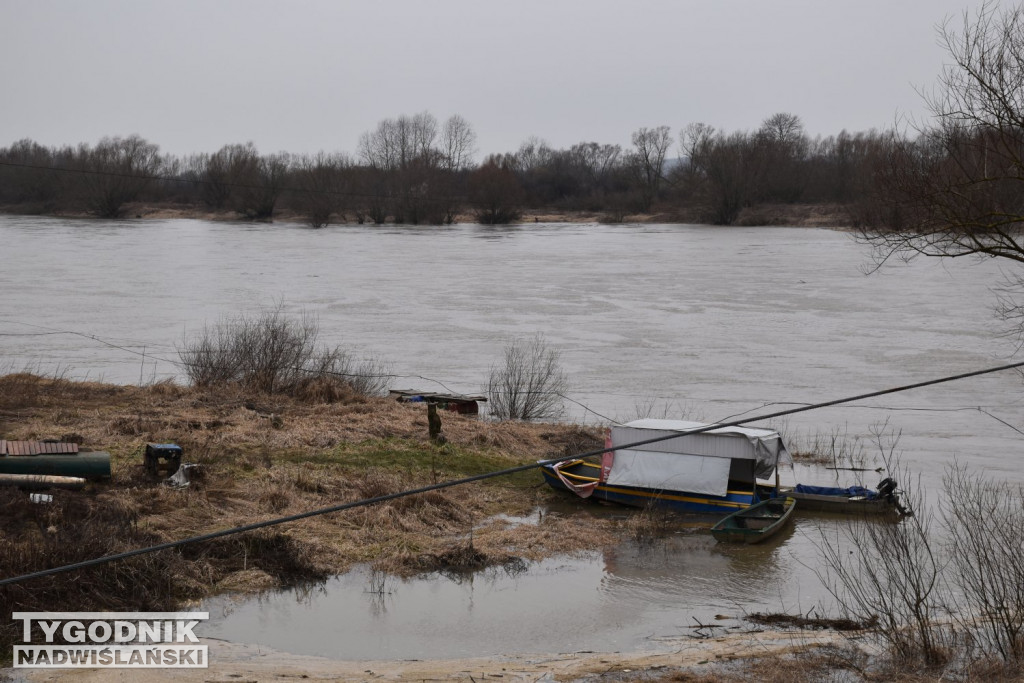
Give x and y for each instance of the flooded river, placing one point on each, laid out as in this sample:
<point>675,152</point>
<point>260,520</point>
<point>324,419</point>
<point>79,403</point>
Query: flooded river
<point>694,321</point>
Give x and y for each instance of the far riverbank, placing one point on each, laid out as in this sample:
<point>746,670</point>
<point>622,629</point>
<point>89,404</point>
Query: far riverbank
<point>790,215</point>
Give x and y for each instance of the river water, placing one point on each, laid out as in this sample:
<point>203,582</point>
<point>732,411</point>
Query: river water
<point>686,321</point>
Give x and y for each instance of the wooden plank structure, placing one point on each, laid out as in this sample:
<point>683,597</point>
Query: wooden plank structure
<point>456,403</point>
<point>37,448</point>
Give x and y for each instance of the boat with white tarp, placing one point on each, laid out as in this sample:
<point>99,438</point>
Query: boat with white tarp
<point>712,471</point>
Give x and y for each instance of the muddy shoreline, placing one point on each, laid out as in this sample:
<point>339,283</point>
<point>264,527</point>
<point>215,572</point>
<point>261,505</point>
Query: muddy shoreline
<point>789,215</point>
<point>720,658</point>
<point>263,457</point>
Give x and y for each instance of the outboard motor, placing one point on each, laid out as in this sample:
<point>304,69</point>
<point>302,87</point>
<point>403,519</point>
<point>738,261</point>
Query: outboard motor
<point>887,490</point>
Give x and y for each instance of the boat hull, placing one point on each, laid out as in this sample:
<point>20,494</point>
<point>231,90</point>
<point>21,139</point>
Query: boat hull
<point>812,502</point>
<point>679,501</point>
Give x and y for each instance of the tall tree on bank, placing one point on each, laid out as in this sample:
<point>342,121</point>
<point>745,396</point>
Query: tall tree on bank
<point>495,193</point>
<point>721,176</point>
<point>781,151</point>
<point>649,149</point>
<point>458,144</point>
<point>321,186</point>
<point>118,170</point>
<point>957,188</point>
<point>410,162</point>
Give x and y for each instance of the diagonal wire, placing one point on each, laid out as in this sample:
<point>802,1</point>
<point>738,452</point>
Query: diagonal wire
<point>480,477</point>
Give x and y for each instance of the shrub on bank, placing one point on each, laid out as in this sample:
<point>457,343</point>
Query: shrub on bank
<point>273,353</point>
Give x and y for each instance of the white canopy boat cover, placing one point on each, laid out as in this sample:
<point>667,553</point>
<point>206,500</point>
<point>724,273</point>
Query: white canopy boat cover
<point>697,463</point>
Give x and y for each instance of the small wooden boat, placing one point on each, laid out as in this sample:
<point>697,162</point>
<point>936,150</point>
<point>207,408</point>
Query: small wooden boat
<point>758,522</point>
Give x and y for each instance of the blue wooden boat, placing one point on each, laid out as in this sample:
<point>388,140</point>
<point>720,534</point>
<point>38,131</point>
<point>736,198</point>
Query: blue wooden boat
<point>757,523</point>
<point>712,471</point>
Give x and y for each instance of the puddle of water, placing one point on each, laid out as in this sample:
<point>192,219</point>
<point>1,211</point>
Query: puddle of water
<point>625,598</point>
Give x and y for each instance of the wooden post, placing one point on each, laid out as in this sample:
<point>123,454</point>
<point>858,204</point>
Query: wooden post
<point>433,422</point>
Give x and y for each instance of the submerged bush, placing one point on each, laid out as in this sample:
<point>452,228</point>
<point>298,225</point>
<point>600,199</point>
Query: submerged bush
<point>272,352</point>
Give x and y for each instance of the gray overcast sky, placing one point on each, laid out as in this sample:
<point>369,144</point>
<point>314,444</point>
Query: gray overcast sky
<point>305,75</point>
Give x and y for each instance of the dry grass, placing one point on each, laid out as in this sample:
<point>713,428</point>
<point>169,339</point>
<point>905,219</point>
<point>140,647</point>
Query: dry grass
<point>227,424</point>
<point>264,456</point>
<point>78,526</point>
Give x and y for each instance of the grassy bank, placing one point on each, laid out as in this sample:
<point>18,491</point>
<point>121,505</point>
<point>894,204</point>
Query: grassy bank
<point>266,456</point>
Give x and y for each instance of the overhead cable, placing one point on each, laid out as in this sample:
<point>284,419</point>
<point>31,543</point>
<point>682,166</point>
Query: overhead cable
<point>480,477</point>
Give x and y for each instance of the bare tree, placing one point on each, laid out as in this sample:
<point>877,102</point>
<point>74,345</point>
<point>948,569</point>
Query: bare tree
<point>321,186</point>
<point>119,170</point>
<point>528,382</point>
<point>984,520</point>
<point>532,154</point>
<point>721,175</point>
<point>781,148</point>
<point>398,143</point>
<point>378,148</point>
<point>495,193</point>
<point>31,181</point>
<point>595,164</point>
<point>229,165</point>
<point>260,183</point>
<point>423,134</point>
<point>649,149</point>
<point>890,574</point>
<point>957,188</point>
<point>408,167</point>
<point>458,143</point>
<point>784,129</point>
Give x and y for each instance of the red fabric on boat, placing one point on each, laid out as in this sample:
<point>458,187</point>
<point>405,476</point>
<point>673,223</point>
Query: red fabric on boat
<point>581,490</point>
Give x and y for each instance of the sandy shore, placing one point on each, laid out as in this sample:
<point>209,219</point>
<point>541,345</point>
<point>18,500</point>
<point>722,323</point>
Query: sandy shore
<point>241,663</point>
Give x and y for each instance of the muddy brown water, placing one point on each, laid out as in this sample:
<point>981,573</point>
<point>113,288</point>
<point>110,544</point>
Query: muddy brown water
<point>635,596</point>
<point>683,321</point>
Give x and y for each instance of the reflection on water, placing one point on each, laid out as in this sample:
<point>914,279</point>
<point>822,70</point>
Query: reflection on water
<point>621,599</point>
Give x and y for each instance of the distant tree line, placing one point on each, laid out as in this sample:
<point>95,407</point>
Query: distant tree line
<point>417,170</point>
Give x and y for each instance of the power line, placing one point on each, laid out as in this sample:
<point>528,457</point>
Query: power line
<point>184,363</point>
<point>897,409</point>
<point>480,477</point>
<point>181,363</point>
<point>572,400</point>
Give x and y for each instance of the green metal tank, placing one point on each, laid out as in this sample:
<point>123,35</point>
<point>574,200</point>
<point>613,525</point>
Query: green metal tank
<point>92,465</point>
